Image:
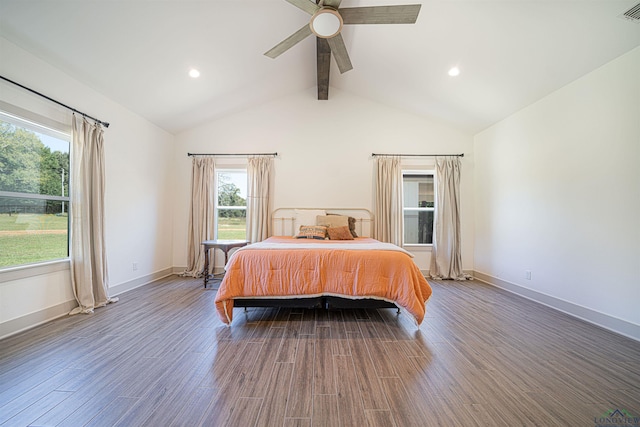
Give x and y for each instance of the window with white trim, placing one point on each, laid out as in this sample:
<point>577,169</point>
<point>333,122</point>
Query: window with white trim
<point>231,208</point>
<point>418,203</point>
<point>34,192</point>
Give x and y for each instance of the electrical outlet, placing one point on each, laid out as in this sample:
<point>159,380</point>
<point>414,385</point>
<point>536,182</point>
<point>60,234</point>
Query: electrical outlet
<point>527,274</point>
<point>135,266</point>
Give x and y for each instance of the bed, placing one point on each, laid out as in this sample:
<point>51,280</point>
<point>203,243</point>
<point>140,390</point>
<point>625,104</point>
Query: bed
<point>351,272</point>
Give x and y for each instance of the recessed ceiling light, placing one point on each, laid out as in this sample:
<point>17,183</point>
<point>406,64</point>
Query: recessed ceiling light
<point>454,71</point>
<point>193,73</point>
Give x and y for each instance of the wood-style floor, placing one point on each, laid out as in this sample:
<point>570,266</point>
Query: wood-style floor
<point>160,357</point>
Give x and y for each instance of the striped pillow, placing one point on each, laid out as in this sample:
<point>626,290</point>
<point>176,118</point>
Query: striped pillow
<point>318,232</point>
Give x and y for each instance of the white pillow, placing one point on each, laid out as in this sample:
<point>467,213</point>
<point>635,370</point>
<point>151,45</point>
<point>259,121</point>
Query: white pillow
<point>305,217</point>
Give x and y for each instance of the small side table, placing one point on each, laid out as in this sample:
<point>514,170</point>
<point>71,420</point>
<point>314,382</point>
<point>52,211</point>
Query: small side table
<point>225,246</point>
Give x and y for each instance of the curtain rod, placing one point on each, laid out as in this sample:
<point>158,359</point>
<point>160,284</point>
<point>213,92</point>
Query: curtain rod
<point>418,155</point>
<point>105,124</point>
<point>234,155</point>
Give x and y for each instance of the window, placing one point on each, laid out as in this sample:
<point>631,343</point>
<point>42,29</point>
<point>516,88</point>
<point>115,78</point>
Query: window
<point>417,210</point>
<point>231,210</point>
<point>34,192</point>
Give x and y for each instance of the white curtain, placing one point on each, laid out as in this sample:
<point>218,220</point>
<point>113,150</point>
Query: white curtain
<point>388,200</point>
<point>201,213</point>
<point>446,255</point>
<point>260,190</point>
<point>89,276</point>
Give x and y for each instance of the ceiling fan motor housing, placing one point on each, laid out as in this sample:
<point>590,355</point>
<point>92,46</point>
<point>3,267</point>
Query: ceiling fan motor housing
<point>326,23</point>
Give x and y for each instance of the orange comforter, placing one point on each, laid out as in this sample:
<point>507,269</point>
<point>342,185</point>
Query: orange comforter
<point>348,269</point>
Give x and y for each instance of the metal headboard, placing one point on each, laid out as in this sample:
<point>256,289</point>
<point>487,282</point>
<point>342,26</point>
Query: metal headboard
<point>282,219</point>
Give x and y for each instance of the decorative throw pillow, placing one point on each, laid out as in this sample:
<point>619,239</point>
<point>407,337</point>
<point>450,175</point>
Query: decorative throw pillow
<point>305,217</point>
<point>332,220</point>
<point>318,232</point>
<point>352,224</point>
<point>339,233</point>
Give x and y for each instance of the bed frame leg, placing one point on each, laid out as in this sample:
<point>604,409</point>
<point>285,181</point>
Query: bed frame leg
<point>398,311</point>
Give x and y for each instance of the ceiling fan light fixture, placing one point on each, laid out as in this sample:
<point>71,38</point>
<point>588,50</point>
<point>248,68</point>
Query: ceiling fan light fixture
<point>326,23</point>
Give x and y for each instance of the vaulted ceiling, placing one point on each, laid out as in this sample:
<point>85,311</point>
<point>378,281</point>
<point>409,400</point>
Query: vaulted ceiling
<point>138,53</point>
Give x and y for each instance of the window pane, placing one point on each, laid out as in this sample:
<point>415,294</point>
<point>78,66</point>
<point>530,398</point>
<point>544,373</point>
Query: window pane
<point>417,191</point>
<point>232,224</point>
<point>33,229</point>
<point>30,231</point>
<point>418,195</point>
<point>418,227</point>
<point>232,192</point>
<point>232,188</point>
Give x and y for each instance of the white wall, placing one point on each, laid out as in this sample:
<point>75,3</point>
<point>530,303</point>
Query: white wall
<point>553,189</point>
<point>139,161</point>
<point>324,154</point>
<point>557,192</point>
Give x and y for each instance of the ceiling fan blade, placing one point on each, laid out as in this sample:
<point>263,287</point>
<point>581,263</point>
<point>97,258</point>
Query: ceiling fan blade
<point>340,53</point>
<point>306,5</point>
<point>323,67</point>
<point>289,42</point>
<point>401,14</point>
<point>332,3</point>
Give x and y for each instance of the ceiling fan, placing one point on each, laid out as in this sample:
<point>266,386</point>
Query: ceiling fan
<point>327,19</point>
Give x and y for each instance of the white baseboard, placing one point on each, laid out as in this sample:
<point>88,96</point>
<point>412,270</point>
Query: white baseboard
<point>614,324</point>
<point>37,318</point>
<point>140,281</point>
<point>20,324</point>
